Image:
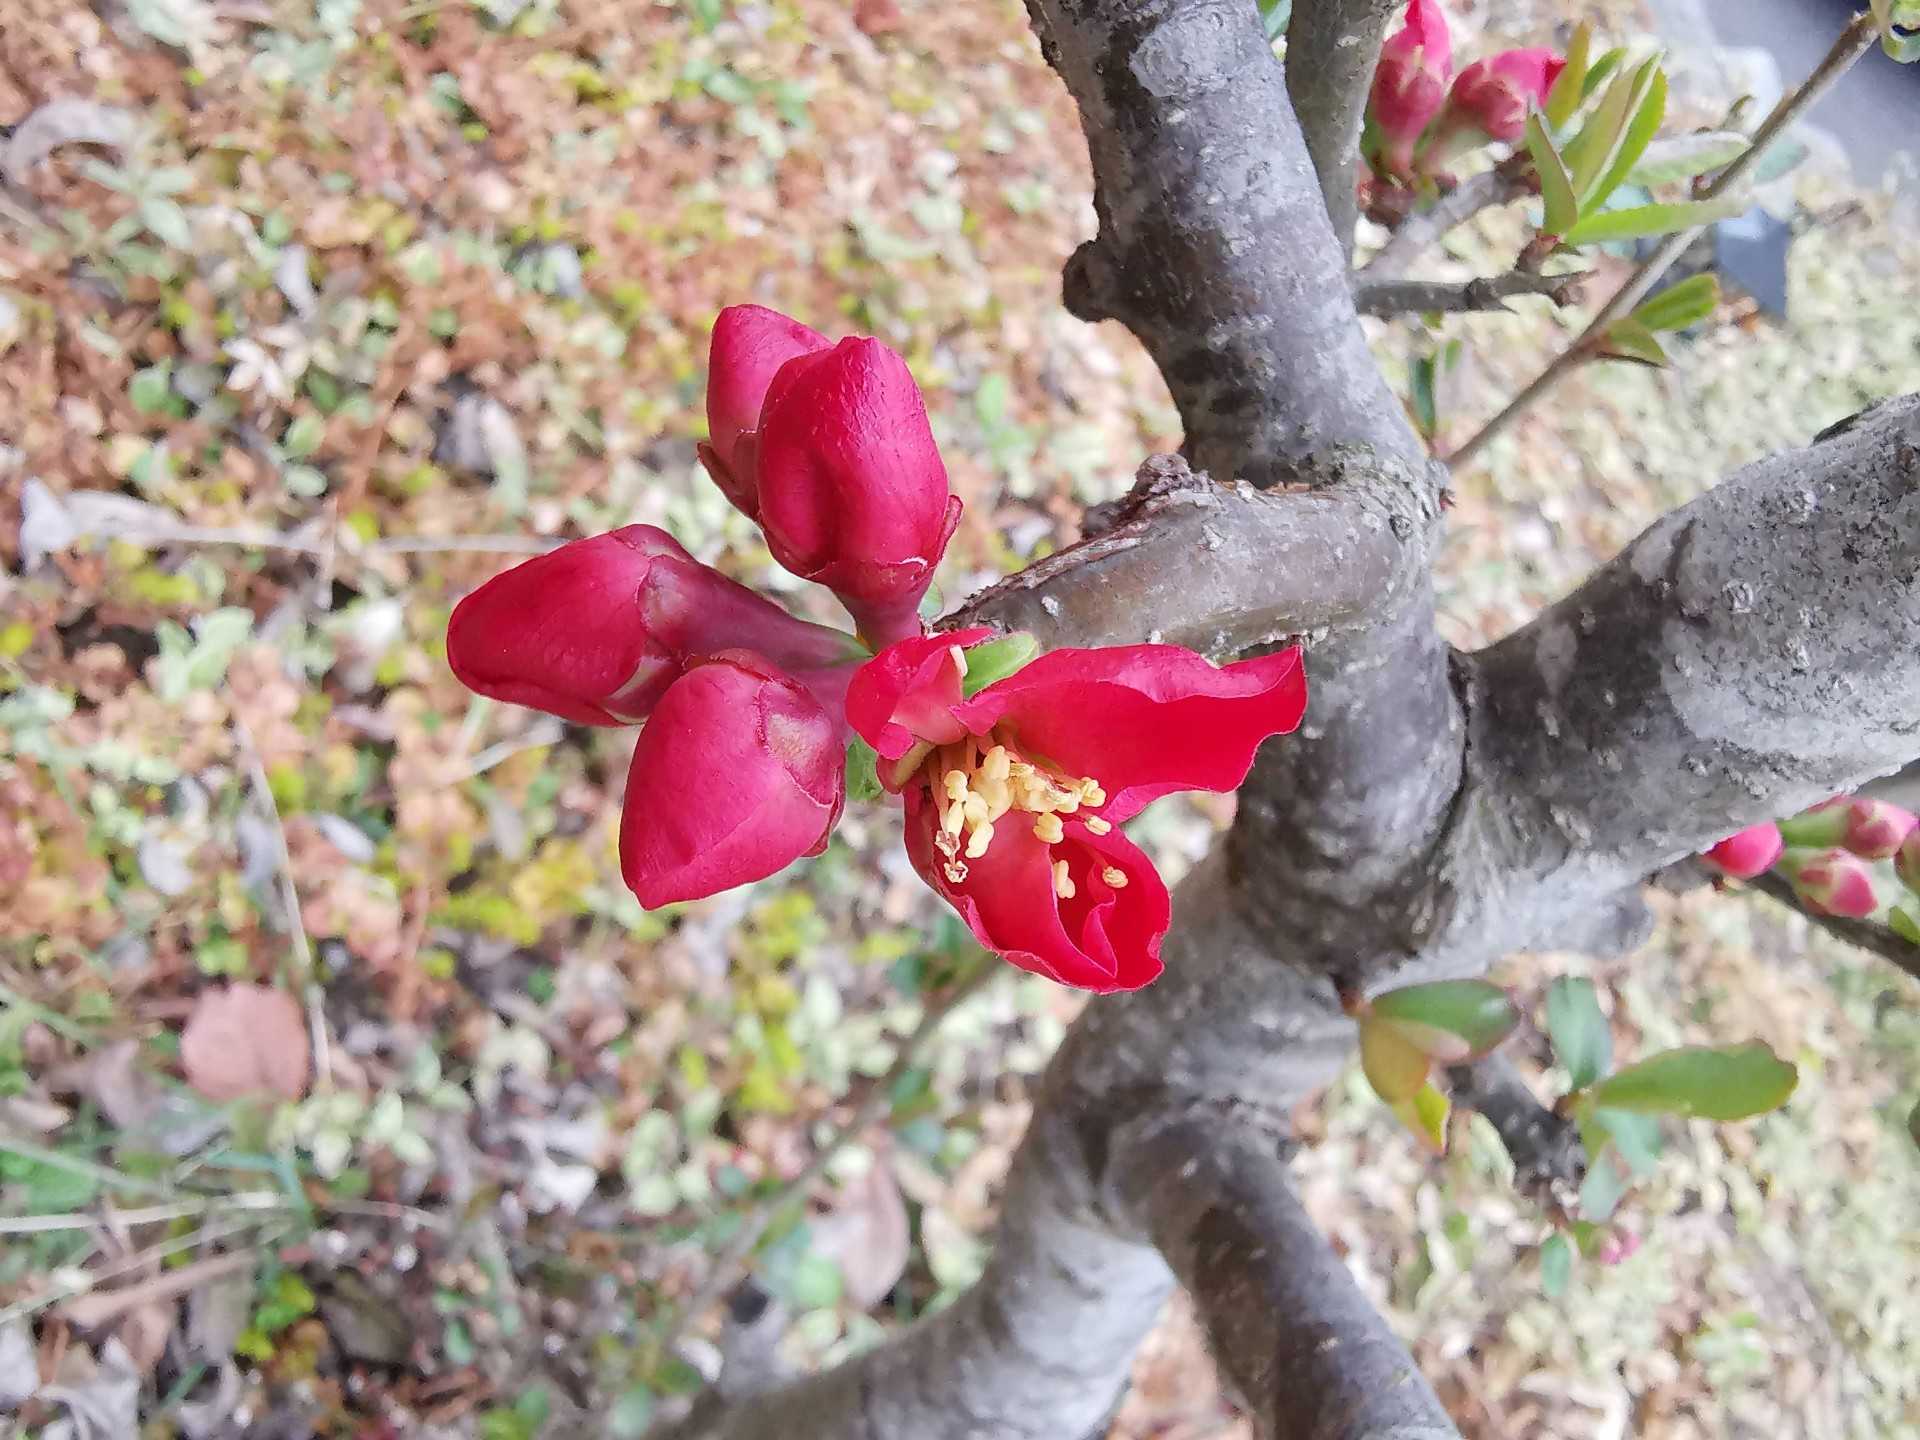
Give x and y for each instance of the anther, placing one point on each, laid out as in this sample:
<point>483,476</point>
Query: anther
<point>1062,882</point>
<point>1048,828</point>
<point>1096,826</point>
<point>1114,876</point>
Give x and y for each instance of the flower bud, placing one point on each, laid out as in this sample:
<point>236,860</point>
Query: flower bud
<point>1494,95</point>
<point>1410,84</point>
<point>597,630</point>
<point>1749,853</point>
<point>1876,829</point>
<point>851,488</point>
<point>1907,862</point>
<point>737,774</point>
<point>750,344</point>
<point>1818,826</point>
<point>1835,882</point>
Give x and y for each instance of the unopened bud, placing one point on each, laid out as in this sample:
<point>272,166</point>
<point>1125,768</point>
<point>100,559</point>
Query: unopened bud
<point>1749,853</point>
<point>1876,829</point>
<point>1834,882</point>
<point>1818,826</point>
<point>1907,862</point>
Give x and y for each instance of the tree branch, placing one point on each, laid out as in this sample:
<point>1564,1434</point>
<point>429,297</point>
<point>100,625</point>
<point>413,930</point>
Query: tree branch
<point>1307,1352</point>
<point>1859,37</point>
<point>1214,246</point>
<point>1332,48</point>
<point>1750,653</point>
<point>1221,568</point>
<point>1399,297</point>
<point>1865,935</point>
<point>1548,1160</point>
<point>1419,233</point>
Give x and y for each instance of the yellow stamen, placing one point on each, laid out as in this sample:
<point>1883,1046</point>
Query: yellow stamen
<point>1062,883</point>
<point>978,841</point>
<point>996,764</point>
<point>1115,877</point>
<point>1096,826</point>
<point>1049,829</point>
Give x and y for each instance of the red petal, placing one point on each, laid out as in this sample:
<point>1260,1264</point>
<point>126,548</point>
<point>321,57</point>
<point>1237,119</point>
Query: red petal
<point>1103,939</point>
<point>908,692</point>
<point>737,775</point>
<point>1144,720</point>
<point>750,344</point>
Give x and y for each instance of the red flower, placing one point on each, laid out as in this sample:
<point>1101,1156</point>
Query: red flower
<point>750,344</point>
<point>1012,794</point>
<point>850,486</point>
<point>1494,95</point>
<point>739,773</point>
<point>1749,853</point>
<point>596,631</point>
<point>1410,83</point>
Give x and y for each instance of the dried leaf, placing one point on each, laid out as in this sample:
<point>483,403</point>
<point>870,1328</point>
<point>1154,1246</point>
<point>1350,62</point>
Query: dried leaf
<point>145,1330</point>
<point>866,1235</point>
<point>62,122</point>
<point>245,1040</point>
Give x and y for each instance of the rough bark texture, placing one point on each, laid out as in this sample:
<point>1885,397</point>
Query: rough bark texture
<point>1749,653</point>
<point>1332,48</point>
<point>1548,1160</point>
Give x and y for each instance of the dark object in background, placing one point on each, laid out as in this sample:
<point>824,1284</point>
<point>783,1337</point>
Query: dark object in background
<point>1748,253</point>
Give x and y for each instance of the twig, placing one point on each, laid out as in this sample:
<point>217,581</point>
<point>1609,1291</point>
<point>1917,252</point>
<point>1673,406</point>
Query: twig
<point>290,902</point>
<point>59,1160</point>
<point>1506,182</point>
<point>1855,40</point>
<point>873,1104</point>
<point>541,732</point>
<point>147,1215</point>
<point>90,1310</point>
<point>83,1283</point>
<point>1863,934</point>
<point>1545,1147</point>
<point>1490,292</point>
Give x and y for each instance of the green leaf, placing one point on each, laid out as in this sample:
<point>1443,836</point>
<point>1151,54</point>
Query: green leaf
<point>1556,1264</point>
<point>1602,1190</point>
<point>997,659</point>
<point>1478,1013</point>
<point>1564,98</point>
<point>1425,1113</point>
<point>815,1283</point>
<point>1590,154</point>
<point>167,221</point>
<point>1274,15</point>
<point>1653,219</point>
<point>1393,1066</point>
<point>1725,1082</point>
<point>1556,186</point>
<point>1582,1042</point>
<point>1420,395</point>
<point>1678,306</point>
<point>1648,113</point>
<point>1784,155</point>
<point>148,389</point>
<point>863,780</point>
<point>1628,339</point>
<point>1681,157</point>
<point>632,1414</point>
<point>1904,923</point>
<point>1635,1136</point>
<point>303,436</point>
<point>1602,68</point>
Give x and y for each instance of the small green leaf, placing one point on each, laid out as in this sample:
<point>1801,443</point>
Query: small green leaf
<point>1628,339</point>
<point>1681,157</point>
<point>303,436</point>
<point>1476,1012</point>
<point>1602,1190</point>
<point>1556,186</point>
<point>1425,1113</point>
<point>167,221</point>
<point>1556,1264</point>
<point>1602,68</point>
<point>1564,98</point>
<point>1393,1066</point>
<point>1274,15</point>
<point>1582,1041</point>
<point>815,1283</point>
<point>1678,306</point>
<point>1591,153</point>
<point>996,659</point>
<point>1653,219</point>
<point>1635,1136</point>
<point>1904,923</point>
<point>1726,1082</point>
<point>1784,155</point>
<point>1650,108</point>
<point>1420,395</point>
<point>863,780</point>
<point>148,389</point>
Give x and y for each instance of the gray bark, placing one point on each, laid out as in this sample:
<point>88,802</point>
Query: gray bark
<point>1332,48</point>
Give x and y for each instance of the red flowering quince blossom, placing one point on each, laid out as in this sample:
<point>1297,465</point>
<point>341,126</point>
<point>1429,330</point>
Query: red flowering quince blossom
<point>1013,794</point>
<point>1493,95</point>
<point>1410,84</point>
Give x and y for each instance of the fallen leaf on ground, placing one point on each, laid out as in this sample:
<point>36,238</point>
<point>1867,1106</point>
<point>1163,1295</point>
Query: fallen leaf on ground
<point>245,1040</point>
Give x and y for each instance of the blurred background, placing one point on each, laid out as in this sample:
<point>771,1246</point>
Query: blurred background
<point>313,316</point>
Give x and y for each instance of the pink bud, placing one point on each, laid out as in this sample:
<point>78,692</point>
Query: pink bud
<point>852,491</point>
<point>739,773</point>
<point>1835,882</point>
<point>1876,829</point>
<point>1494,95</point>
<point>1749,853</point>
<point>1907,862</point>
<point>595,631</point>
<point>1410,83</point>
<point>750,344</point>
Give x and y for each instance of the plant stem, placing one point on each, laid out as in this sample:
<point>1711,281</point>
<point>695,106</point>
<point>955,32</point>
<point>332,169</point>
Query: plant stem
<point>1854,41</point>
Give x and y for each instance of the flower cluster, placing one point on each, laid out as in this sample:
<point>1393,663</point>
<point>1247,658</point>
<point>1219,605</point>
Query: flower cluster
<point>1420,114</point>
<point>1827,853</point>
<point>1014,768</point>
